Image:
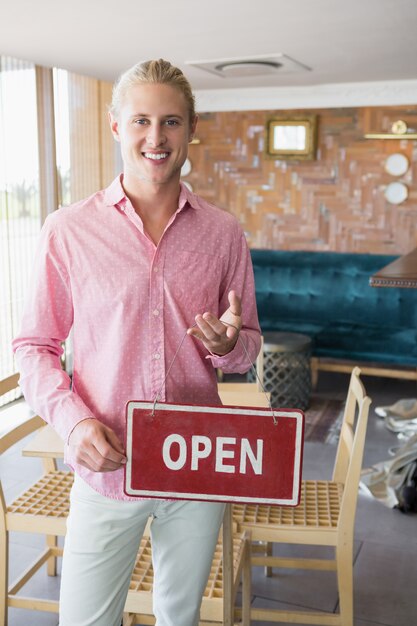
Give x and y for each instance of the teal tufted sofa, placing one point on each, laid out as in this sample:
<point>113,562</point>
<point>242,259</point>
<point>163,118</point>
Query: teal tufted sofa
<point>327,296</point>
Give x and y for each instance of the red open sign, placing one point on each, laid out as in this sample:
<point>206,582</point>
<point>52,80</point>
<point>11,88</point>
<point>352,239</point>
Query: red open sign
<point>220,453</point>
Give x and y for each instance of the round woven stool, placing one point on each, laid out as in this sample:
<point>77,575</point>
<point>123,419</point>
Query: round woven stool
<point>287,373</point>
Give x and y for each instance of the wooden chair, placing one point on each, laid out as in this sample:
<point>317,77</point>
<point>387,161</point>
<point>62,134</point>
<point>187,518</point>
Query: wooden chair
<point>42,508</point>
<point>324,517</point>
<point>230,566</point>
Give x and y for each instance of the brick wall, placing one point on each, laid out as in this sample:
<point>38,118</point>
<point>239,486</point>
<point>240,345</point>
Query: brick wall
<point>335,202</point>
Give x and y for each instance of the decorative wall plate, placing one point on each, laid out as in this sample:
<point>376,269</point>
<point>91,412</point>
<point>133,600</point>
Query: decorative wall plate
<point>396,164</point>
<point>395,193</point>
<point>186,168</point>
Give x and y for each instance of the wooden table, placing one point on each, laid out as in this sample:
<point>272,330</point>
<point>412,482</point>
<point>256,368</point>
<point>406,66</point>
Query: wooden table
<point>400,273</point>
<point>47,445</point>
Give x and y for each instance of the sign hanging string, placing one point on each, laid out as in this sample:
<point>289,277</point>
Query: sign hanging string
<point>252,366</point>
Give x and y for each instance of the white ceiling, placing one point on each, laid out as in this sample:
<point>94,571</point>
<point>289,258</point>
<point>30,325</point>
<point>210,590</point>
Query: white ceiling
<point>359,41</point>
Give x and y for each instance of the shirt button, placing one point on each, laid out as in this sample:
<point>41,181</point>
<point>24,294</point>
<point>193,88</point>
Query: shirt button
<point>155,269</point>
<point>157,356</point>
<point>156,312</point>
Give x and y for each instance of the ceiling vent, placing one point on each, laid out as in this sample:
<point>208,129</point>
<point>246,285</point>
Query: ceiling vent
<point>240,67</point>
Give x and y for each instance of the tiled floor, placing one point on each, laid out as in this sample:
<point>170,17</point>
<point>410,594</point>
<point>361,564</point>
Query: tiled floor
<point>385,568</point>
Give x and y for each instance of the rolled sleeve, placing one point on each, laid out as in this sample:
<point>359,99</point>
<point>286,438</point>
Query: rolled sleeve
<point>240,278</point>
<point>243,355</point>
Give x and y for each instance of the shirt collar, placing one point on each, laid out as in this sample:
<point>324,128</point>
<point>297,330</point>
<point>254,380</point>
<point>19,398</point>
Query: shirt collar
<point>187,196</point>
<point>114,194</point>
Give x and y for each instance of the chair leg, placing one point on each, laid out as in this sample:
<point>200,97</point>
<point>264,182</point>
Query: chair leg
<point>50,465</point>
<point>344,558</point>
<point>268,552</point>
<point>4,542</point>
<point>246,583</point>
<point>52,542</point>
<point>227,564</point>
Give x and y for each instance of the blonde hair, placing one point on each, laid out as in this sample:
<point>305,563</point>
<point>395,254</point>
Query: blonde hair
<point>158,72</point>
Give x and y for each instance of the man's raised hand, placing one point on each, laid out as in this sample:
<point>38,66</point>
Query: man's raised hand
<point>219,336</point>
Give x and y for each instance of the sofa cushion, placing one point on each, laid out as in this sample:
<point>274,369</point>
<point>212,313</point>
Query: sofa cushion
<point>367,343</point>
<point>327,296</point>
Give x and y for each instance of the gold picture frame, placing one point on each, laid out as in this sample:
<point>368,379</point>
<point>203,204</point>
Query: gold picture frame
<point>292,137</point>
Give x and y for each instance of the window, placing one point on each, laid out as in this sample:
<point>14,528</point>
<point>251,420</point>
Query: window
<point>55,148</point>
<point>20,216</point>
<point>85,150</point>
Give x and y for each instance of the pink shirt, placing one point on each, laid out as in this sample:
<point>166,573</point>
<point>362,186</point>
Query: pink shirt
<point>129,303</point>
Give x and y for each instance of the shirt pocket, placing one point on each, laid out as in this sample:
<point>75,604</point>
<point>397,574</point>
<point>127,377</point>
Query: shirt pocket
<point>193,281</point>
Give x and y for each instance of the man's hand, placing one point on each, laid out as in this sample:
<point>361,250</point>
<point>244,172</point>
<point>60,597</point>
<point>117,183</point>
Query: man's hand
<point>219,336</point>
<point>96,446</point>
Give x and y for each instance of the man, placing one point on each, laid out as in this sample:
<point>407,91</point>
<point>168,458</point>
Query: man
<point>130,269</point>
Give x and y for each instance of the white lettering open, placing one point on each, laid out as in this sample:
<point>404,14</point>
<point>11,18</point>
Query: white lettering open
<point>174,454</point>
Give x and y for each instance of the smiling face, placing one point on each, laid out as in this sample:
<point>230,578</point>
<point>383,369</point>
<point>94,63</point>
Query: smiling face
<point>154,129</point>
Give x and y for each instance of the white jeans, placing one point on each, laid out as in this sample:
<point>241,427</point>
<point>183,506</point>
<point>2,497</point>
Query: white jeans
<point>101,544</point>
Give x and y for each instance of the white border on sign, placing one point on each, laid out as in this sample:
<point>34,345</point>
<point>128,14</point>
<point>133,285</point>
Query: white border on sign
<point>297,415</point>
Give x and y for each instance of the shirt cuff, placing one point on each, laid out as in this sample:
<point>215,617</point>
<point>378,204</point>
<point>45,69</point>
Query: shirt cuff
<point>236,360</point>
<point>82,419</point>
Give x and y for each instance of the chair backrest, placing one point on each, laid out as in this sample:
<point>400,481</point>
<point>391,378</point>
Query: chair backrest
<point>12,435</point>
<point>22,427</point>
<point>348,463</point>
<point>8,384</point>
